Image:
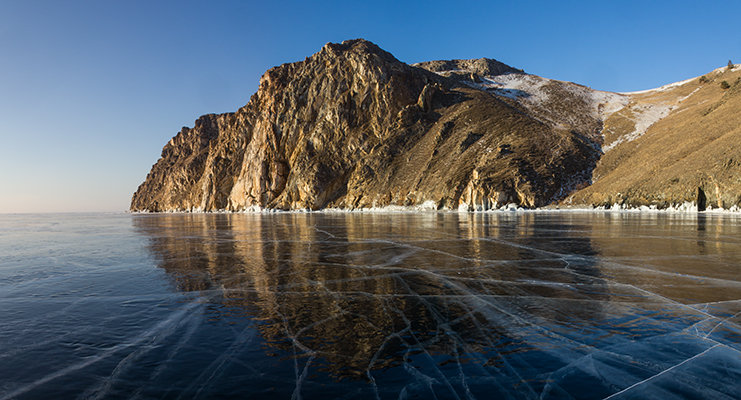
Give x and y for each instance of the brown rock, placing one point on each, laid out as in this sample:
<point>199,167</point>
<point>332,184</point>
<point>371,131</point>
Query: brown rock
<point>353,127</point>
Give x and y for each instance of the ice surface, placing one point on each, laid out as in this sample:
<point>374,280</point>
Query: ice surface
<point>371,305</point>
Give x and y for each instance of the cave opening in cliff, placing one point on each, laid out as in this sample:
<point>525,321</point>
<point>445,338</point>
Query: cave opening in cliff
<point>701,199</point>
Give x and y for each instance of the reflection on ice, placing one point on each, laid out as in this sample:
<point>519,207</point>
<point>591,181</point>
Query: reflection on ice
<point>427,305</point>
<point>479,305</point>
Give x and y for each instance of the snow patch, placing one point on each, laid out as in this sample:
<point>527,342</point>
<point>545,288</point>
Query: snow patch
<point>528,89</point>
<point>680,83</point>
<point>661,88</point>
<point>645,116</point>
<point>515,86</point>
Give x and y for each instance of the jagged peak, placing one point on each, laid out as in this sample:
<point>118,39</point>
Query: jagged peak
<point>357,46</point>
<point>359,55</point>
<point>479,66</point>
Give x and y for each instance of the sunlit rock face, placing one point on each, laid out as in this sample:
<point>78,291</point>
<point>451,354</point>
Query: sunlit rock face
<point>353,127</point>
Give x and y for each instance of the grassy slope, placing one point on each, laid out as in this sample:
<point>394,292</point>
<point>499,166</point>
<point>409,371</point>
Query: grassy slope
<point>698,145</point>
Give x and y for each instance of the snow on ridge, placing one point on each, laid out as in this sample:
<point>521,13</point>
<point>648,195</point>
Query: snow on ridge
<point>662,88</point>
<point>646,115</point>
<point>521,87</point>
<point>603,104</point>
<point>528,89</point>
<point>447,71</point>
<point>680,83</point>
<point>724,68</point>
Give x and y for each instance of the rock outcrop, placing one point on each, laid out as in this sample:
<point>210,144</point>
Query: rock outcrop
<point>353,127</point>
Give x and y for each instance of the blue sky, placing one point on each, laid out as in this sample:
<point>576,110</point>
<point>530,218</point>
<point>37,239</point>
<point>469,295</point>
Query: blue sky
<point>90,91</point>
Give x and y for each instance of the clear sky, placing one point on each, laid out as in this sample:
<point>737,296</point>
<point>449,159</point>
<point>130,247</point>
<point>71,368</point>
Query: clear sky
<point>90,91</point>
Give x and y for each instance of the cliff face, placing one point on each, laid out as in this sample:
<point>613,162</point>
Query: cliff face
<point>352,127</point>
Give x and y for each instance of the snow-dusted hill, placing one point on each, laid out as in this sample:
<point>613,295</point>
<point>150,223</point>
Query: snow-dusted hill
<point>658,147</point>
<point>562,105</point>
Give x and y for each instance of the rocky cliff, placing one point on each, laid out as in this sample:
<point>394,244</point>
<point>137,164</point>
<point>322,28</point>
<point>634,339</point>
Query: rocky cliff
<point>353,127</point>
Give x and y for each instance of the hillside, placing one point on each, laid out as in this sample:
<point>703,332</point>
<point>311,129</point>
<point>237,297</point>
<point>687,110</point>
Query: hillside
<point>675,144</point>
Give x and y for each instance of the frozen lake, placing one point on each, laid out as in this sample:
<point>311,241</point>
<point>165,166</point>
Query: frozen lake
<point>379,306</point>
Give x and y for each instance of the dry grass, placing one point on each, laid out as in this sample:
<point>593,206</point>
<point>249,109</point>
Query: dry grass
<point>698,145</point>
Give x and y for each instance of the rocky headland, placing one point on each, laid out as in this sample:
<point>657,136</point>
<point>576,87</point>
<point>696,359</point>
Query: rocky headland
<point>352,127</point>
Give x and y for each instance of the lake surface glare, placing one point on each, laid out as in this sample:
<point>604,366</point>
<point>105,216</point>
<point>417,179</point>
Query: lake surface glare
<point>510,305</point>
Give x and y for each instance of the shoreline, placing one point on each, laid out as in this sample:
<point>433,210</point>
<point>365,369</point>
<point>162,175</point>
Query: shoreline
<point>685,209</point>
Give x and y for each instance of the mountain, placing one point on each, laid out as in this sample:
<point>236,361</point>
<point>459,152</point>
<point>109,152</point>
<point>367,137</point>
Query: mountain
<point>353,127</point>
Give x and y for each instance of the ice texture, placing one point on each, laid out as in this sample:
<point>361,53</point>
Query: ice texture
<point>352,305</point>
